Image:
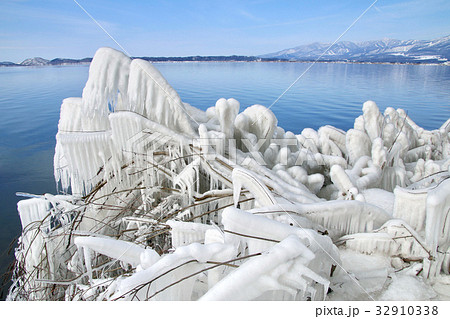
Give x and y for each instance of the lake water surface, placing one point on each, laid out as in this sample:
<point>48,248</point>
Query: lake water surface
<point>330,93</point>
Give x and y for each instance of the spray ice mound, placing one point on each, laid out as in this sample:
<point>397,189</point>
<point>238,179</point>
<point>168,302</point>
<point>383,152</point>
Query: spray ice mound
<point>168,202</point>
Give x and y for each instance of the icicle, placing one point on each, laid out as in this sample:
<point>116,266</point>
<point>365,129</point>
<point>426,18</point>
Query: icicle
<point>73,118</point>
<point>82,153</point>
<point>151,96</point>
<point>358,144</point>
<point>410,205</point>
<point>437,234</point>
<point>335,135</point>
<point>178,261</point>
<point>263,273</point>
<point>226,112</point>
<point>87,253</point>
<point>259,121</point>
<point>187,177</point>
<point>32,210</point>
<point>187,233</point>
<point>343,182</point>
<point>372,119</point>
<point>395,238</point>
<point>245,178</point>
<point>116,249</point>
<point>108,75</point>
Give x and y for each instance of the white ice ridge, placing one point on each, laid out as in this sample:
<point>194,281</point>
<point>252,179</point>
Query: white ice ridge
<point>168,202</point>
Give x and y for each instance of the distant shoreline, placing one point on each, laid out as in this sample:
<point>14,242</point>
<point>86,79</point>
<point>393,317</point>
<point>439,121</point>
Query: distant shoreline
<point>386,51</point>
<point>157,60</point>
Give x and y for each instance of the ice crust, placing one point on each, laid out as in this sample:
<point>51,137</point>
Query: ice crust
<point>167,202</point>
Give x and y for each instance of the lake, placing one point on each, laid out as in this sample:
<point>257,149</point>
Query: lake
<point>330,93</point>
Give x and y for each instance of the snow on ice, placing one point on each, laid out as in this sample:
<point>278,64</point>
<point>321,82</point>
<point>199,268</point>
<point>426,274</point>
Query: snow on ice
<point>162,201</point>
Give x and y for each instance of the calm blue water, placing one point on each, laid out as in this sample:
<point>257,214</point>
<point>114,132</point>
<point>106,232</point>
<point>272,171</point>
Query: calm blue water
<point>327,94</point>
<point>30,99</point>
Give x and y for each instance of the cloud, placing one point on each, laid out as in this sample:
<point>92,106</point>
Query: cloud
<point>249,16</point>
<point>74,19</point>
<point>413,8</point>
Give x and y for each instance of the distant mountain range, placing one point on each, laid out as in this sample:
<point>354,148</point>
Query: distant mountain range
<point>233,58</point>
<point>42,62</point>
<point>387,50</point>
<point>382,51</point>
<point>198,58</point>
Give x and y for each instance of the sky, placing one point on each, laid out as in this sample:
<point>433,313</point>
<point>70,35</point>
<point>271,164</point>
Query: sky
<point>61,28</point>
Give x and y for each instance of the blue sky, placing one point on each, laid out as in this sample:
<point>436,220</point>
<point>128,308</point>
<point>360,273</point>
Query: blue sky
<point>59,28</point>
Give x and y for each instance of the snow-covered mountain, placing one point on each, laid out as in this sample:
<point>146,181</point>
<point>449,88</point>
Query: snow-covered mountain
<point>386,50</point>
<point>37,61</point>
<point>7,63</point>
<point>34,61</point>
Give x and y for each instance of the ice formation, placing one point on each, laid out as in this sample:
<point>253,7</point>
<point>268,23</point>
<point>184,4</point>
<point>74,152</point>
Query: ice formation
<point>164,201</point>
